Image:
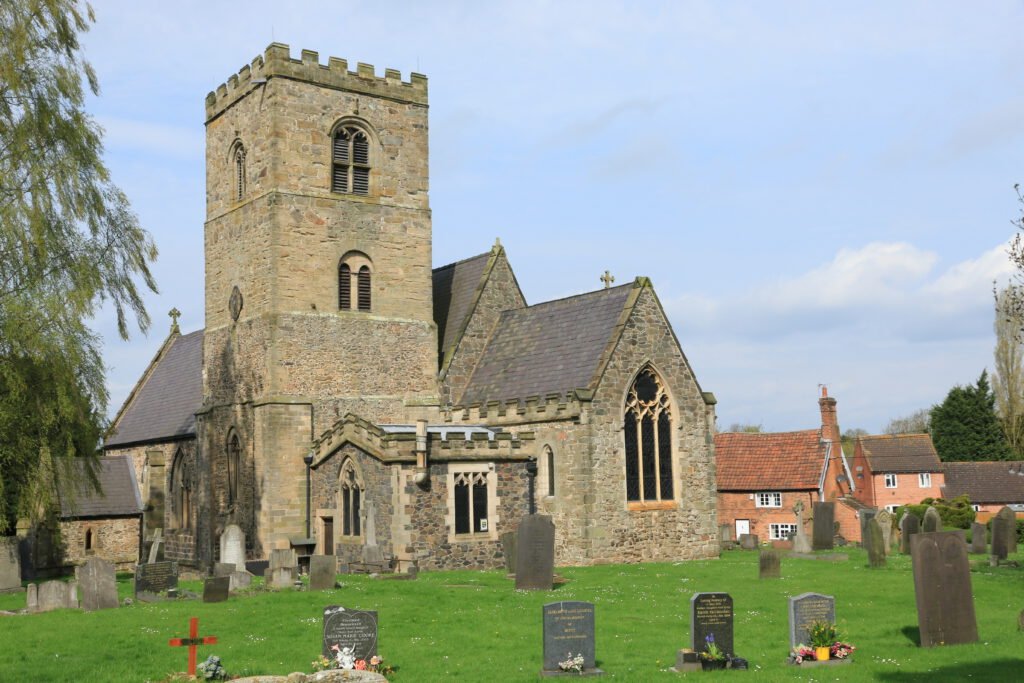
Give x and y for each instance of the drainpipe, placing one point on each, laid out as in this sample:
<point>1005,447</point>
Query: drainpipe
<point>531,473</point>
<point>309,461</point>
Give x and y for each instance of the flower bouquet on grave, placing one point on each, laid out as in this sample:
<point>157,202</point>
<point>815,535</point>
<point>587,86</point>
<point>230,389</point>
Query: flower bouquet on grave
<point>841,650</point>
<point>823,636</point>
<point>800,653</point>
<point>572,664</point>
<point>712,657</point>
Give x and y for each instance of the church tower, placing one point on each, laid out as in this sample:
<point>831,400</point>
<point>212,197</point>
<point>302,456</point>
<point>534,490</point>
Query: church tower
<point>318,278</point>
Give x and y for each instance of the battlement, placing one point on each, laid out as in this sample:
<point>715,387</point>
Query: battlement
<point>550,408</point>
<point>276,62</point>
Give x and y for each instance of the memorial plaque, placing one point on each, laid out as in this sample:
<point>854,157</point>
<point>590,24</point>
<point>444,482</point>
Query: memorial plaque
<point>770,565</point>
<point>804,610</point>
<point>535,553</point>
<point>155,577</point>
<point>216,588</point>
<point>350,628</point>
<point>323,571</point>
<point>978,532</point>
<point>10,565</point>
<point>909,526</point>
<point>824,531</point>
<point>932,520</point>
<point>942,588</point>
<point>711,613</point>
<point>568,630</point>
<point>98,584</point>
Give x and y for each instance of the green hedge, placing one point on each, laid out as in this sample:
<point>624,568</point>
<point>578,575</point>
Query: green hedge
<point>955,514</point>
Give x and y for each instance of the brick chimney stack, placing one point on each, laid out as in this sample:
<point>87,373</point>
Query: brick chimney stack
<point>829,422</point>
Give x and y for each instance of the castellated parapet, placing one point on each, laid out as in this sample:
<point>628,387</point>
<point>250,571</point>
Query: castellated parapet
<point>276,61</point>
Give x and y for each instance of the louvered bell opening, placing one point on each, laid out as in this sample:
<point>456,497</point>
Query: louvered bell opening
<point>344,287</point>
<point>239,175</point>
<point>341,141</point>
<point>360,180</point>
<point>361,150</point>
<point>364,288</point>
<point>339,178</point>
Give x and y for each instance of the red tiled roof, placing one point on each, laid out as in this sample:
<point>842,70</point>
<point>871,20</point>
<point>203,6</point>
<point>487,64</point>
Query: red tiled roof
<point>900,453</point>
<point>786,461</point>
<point>985,482</point>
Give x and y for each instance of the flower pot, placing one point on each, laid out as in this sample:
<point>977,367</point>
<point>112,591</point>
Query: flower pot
<point>712,664</point>
<point>821,653</point>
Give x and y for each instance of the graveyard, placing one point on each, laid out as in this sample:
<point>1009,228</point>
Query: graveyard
<point>475,626</point>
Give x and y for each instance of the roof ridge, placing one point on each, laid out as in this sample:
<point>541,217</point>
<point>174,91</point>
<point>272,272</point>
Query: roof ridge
<point>465,260</point>
<point>815,431</point>
<point>571,296</point>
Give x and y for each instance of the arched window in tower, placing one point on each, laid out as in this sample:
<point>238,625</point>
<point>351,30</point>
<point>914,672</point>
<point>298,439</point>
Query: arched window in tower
<point>354,277</point>
<point>344,287</point>
<point>234,464</point>
<point>350,492</point>
<point>647,429</point>
<point>549,467</point>
<point>239,172</point>
<point>181,491</point>
<point>364,288</point>
<point>350,173</point>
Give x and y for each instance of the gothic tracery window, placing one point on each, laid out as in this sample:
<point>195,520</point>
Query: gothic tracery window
<point>648,438</point>
<point>182,479</point>
<point>234,464</point>
<point>350,156</point>
<point>351,493</point>
<point>470,502</point>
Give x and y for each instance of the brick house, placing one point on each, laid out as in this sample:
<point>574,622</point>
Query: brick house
<point>896,469</point>
<point>989,485</point>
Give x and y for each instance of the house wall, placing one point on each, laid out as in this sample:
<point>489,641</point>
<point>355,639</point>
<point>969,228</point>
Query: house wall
<point>743,505</point>
<point>849,522</point>
<point>115,540</point>
<point>907,489</point>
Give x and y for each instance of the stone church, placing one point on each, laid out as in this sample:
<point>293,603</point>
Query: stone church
<point>347,398</point>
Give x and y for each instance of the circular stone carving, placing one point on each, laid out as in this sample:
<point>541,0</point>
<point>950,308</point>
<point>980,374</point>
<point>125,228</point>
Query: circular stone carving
<point>235,303</point>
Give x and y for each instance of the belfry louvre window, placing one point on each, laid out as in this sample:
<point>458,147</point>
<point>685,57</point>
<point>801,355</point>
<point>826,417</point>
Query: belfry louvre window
<point>470,502</point>
<point>363,280</point>
<point>350,172</point>
<point>354,278</point>
<point>344,287</point>
<point>648,435</point>
<point>239,173</point>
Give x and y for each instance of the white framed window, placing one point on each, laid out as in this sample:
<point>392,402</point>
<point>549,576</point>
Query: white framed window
<point>890,481</point>
<point>780,532</point>
<point>472,502</point>
<point>768,499</point>
<point>924,480</point>
<point>891,508</point>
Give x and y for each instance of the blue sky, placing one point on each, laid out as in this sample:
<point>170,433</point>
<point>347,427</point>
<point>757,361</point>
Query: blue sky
<point>822,193</point>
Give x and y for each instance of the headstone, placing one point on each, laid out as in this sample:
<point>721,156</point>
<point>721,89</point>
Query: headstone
<point>725,533</point>
<point>909,525</point>
<point>932,521</point>
<point>824,531</point>
<point>323,571</point>
<point>224,569</point>
<point>283,558</point>
<point>98,584</point>
<point>874,542</point>
<point>1009,519</point>
<point>10,565</point>
<point>349,628</point>
<point>770,564</point>
<point>535,553</point>
<point>884,519</point>
<point>57,595</point>
<point>804,610</point>
<point>216,588</point>
<point>863,517</point>
<point>282,577</point>
<point>749,541</point>
<point>32,598</point>
<point>232,546</point>
<point>156,577</point>
<point>156,550</point>
<point>239,581</point>
<point>801,544</point>
<point>568,632</point>
<point>711,613</point>
<point>942,588</point>
<point>978,545</point>
<point>508,549</point>
<point>1002,527</point>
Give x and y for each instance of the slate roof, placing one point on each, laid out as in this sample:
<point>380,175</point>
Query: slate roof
<point>163,406</point>
<point>119,491</point>
<point>552,347</point>
<point>782,461</point>
<point>455,287</point>
<point>985,482</point>
<point>900,453</point>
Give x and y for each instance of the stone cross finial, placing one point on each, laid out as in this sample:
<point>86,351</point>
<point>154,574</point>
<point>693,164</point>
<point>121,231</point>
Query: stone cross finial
<point>175,314</point>
<point>607,279</point>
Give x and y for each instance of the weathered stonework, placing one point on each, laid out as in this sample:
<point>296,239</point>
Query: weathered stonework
<point>115,540</point>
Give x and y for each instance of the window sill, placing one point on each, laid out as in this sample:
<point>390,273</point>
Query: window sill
<point>474,537</point>
<point>351,540</point>
<point>641,506</point>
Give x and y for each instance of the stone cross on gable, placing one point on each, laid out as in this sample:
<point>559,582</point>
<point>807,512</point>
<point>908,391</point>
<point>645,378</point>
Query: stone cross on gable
<point>175,314</point>
<point>607,279</point>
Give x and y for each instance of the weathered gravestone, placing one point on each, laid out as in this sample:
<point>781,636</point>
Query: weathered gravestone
<point>239,580</point>
<point>283,557</point>
<point>156,549</point>
<point>884,519</point>
<point>874,542</point>
<point>909,526</point>
<point>769,565</point>
<point>55,595</point>
<point>749,541</point>
<point>1002,528</point>
<point>804,610</point>
<point>257,567</point>
<point>801,544</point>
<point>32,598</point>
<point>372,554</point>
<point>535,553</point>
<point>10,565</point>
<point>232,546</point>
<point>824,530</point>
<point>322,572</point>
<point>863,517</point>
<point>216,588</point>
<point>98,584</point>
<point>978,545</point>
<point>282,577</point>
<point>711,615</point>
<point>1009,520</point>
<point>568,632</point>
<point>156,577</point>
<point>942,588</point>
<point>224,568</point>
<point>932,521</point>
<point>349,628</point>
<point>508,549</point>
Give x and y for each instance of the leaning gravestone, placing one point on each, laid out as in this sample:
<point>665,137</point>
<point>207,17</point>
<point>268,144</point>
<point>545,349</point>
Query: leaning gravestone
<point>801,544</point>
<point>10,565</point>
<point>874,542</point>
<point>932,521</point>
<point>942,588</point>
<point>232,546</point>
<point>156,577</point>
<point>322,571</point>
<point>98,584</point>
<point>823,534</point>
<point>884,519</point>
<point>535,553</point>
<point>508,549</point>
<point>156,550</point>
<point>711,615</point>
<point>216,588</point>
<point>769,565</point>
<point>909,526</point>
<point>804,610</point>
<point>349,628</point>
<point>978,545</point>
<point>568,632</point>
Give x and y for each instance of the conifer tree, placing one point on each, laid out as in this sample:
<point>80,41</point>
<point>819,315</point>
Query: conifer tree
<point>965,425</point>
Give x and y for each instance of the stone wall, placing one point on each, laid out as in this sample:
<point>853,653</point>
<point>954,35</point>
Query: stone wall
<point>114,539</point>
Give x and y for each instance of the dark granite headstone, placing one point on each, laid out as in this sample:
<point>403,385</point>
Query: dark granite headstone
<point>824,530</point>
<point>770,564</point>
<point>535,553</point>
<point>155,577</point>
<point>909,525</point>
<point>322,572</point>
<point>932,521</point>
<point>874,543</point>
<point>711,613</point>
<point>568,631</point>
<point>978,545</point>
<point>216,588</point>
<point>508,549</point>
<point>10,565</point>
<point>804,610</point>
<point>749,541</point>
<point>349,628</point>
<point>942,588</point>
<point>97,583</point>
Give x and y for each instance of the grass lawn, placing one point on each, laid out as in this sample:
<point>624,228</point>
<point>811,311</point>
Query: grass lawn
<point>473,626</point>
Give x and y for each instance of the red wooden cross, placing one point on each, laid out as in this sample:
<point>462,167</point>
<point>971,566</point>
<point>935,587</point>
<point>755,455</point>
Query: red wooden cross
<point>192,641</point>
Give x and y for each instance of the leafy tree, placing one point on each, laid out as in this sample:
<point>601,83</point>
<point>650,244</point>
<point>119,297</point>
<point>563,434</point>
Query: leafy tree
<point>69,243</point>
<point>918,422</point>
<point>745,428</point>
<point>1008,376</point>
<point>965,425</point>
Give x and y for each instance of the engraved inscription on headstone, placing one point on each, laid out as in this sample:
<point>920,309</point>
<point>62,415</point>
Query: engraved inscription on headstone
<point>804,610</point>
<point>535,553</point>
<point>156,577</point>
<point>345,628</point>
<point>884,519</point>
<point>568,630</point>
<point>711,613</point>
<point>942,588</point>
<point>823,531</point>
